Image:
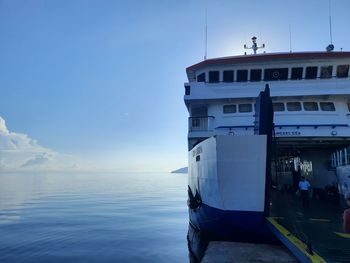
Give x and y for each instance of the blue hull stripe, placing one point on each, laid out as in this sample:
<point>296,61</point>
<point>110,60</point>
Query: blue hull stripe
<point>244,226</point>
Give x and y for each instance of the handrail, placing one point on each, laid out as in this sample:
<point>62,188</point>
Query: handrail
<point>200,123</point>
<point>312,125</point>
<point>288,126</point>
<point>237,126</point>
<point>201,117</point>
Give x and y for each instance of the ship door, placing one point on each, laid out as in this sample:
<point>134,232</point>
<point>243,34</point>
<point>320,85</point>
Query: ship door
<point>348,113</point>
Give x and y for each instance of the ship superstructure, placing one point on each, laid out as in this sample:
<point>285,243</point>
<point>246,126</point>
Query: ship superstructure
<point>310,92</point>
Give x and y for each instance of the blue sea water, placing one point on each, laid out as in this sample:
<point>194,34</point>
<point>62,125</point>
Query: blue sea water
<point>93,217</point>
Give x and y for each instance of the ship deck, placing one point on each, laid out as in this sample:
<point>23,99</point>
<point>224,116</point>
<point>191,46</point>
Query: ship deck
<point>319,226</point>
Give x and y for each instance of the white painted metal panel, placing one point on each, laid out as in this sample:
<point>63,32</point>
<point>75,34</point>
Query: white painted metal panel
<point>203,173</point>
<point>241,172</point>
<point>230,172</point>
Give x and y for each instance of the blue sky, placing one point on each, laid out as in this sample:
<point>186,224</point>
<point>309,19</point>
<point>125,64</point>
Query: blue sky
<point>101,82</point>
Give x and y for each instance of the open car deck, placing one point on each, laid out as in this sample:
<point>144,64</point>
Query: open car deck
<point>313,234</point>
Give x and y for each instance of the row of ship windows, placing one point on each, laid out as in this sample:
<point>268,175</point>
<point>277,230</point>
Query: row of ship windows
<point>280,106</point>
<point>326,72</point>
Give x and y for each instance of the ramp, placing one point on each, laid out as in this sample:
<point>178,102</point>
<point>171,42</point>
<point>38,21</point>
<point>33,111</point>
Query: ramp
<point>300,250</point>
<point>229,252</point>
<point>316,230</point>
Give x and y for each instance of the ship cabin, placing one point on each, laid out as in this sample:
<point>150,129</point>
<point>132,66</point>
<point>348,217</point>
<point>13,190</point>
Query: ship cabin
<point>311,101</point>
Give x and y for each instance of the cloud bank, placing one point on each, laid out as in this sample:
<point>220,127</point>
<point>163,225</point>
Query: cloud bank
<point>19,152</point>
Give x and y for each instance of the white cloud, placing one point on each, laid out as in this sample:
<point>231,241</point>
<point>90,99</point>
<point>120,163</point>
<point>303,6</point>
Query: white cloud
<point>18,152</point>
<point>39,159</point>
<point>3,128</point>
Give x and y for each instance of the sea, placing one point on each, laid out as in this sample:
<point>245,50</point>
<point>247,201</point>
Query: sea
<point>93,217</point>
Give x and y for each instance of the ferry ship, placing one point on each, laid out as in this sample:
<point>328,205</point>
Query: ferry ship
<point>231,179</point>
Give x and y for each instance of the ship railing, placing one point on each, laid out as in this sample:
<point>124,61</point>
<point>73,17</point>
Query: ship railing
<point>312,125</point>
<point>340,157</point>
<point>201,123</point>
<point>297,126</point>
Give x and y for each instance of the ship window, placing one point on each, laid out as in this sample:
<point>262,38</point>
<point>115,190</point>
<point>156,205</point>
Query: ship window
<point>311,73</point>
<point>242,75</point>
<point>245,108</point>
<point>297,73</point>
<point>326,72</point>
<point>327,106</point>
<point>214,76</point>
<point>293,106</point>
<point>187,90</point>
<point>276,74</point>
<point>310,106</point>
<point>278,106</point>
<point>255,74</point>
<point>199,112</point>
<point>342,71</point>
<point>201,77</point>
<point>230,109</point>
<point>228,76</point>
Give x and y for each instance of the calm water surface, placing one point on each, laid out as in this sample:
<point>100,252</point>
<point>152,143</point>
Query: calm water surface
<point>93,217</point>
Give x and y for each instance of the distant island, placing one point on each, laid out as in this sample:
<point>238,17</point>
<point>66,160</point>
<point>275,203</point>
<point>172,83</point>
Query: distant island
<point>183,170</point>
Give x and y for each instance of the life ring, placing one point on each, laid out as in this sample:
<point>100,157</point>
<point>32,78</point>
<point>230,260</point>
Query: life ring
<point>275,74</point>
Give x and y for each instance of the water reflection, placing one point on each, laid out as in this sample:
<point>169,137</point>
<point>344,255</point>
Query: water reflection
<point>17,191</point>
<point>197,244</point>
<point>93,217</point>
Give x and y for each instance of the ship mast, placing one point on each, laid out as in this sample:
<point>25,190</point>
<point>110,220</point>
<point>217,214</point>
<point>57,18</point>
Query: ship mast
<point>254,46</point>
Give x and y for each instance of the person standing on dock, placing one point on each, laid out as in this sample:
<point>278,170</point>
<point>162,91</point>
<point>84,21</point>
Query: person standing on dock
<point>304,187</point>
<point>346,224</point>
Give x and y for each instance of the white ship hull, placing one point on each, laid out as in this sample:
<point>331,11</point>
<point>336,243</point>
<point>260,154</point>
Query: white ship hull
<point>227,178</point>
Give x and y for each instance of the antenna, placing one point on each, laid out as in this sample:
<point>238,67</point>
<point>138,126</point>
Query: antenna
<point>330,47</point>
<point>330,21</point>
<point>206,34</point>
<point>290,39</point>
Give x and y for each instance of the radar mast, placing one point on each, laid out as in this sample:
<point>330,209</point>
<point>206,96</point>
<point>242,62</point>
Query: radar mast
<point>254,46</point>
